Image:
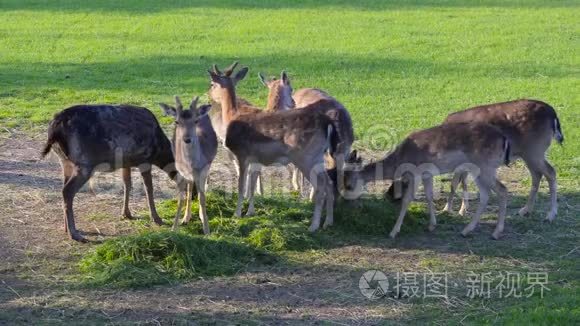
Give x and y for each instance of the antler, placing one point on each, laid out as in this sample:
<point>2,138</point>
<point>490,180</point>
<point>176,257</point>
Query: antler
<point>216,70</point>
<point>178,105</point>
<point>193,104</point>
<point>229,70</point>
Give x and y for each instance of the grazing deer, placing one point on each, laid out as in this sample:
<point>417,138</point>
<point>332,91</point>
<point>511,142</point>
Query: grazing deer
<point>244,107</point>
<point>530,125</point>
<point>479,148</point>
<point>195,147</point>
<point>89,138</point>
<point>280,98</point>
<point>297,136</point>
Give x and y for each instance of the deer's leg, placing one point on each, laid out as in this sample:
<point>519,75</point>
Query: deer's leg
<point>405,201</point>
<point>202,212</point>
<point>483,185</point>
<point>454,182</point>
<point>502,194</point>
<point>194,191</point>
<point>295,178</point>
<point>536,173</point>
<point>69,190</point>
<point>329,190</point>
<point>179,206</point>
<point>126,175</point>
<point>68,171</point>
<point>465,195</point>
<point>428,185</point>
<point>252,189</point>
<point>148,183</point>
<point>550,175</point>
<point>259,184</point>
<point>242,167</point>
<point>188,197</point>
<point>315,175</point>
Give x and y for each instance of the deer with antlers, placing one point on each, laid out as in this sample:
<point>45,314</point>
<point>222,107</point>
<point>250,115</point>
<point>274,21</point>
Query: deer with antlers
<point>194,147</point>
<point>478,148</point>
<point>244,107</point>
<point>280,98</point>
<point>299,137</point>
<point>530,125</point>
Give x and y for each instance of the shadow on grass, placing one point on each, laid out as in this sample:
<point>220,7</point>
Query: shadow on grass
<point>165,74</point>
<point>150,6</point>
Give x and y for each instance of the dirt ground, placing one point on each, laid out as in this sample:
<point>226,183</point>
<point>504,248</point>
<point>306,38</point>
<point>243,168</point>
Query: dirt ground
<point>37,259</point>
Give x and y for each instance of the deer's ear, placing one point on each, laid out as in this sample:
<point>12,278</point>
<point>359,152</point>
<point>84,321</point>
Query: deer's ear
<point>168,110</point>
<point>284,78</point>
<point>240,74</point>
<point>262,79</point>
<point>203,110</point>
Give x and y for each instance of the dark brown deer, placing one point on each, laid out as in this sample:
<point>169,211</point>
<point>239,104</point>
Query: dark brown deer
<point>195,147</point>
<point>280,98</point>
<point>478,148</point>
<point>244,107</point>
<point>530,125</point>
<point>89,138</point>
<point>300,137</point>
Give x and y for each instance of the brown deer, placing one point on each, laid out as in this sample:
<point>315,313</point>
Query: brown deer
<point>89,138</point>
<point>195,147</point>
<point>299,137</point>
<point>478,148</point>
<point>215,115</point>
<point>530,125</point>
<point>280,98</point>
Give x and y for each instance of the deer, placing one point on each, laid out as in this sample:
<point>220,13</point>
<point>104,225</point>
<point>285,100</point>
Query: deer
<point>531,125</point>
<point>244,107</point>
<point>280,98</point>
<point>475,147</point>
<point>300,137</point>
<point>195,147</point>
<point>89,138</point>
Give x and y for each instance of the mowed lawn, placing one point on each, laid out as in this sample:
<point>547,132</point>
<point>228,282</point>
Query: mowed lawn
<point>397,66</point>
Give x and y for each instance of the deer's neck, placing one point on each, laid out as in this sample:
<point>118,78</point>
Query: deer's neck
<point>380,170</point>
<point>275,102</point>
<point>229,105</point>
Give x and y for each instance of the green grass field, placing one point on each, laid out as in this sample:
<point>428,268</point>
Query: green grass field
<point>396,65</point>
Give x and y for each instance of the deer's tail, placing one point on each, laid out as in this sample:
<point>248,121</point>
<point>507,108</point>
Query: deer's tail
<point>558,135</point>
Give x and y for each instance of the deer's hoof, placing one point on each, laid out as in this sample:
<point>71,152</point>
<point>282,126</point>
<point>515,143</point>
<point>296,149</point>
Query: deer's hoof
<point>496,235</point>
<point>393,235</point>
<point>431,227</point>
<point>523,211</point>
<point>550,217</point>
<point>77,237</point>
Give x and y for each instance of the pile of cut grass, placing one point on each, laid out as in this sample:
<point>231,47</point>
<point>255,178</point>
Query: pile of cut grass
<point>151,258</point>
<point>280,225</point>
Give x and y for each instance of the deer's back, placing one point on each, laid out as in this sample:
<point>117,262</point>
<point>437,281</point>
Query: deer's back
<point>94,134</point>
<point>522,120</point>
<point>449,145</point>
<point>277,134</point>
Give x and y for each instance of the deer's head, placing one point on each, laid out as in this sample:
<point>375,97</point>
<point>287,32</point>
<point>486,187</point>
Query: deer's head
<point>186,120</point>
<point>223,84</point>
<point>280,95</point>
